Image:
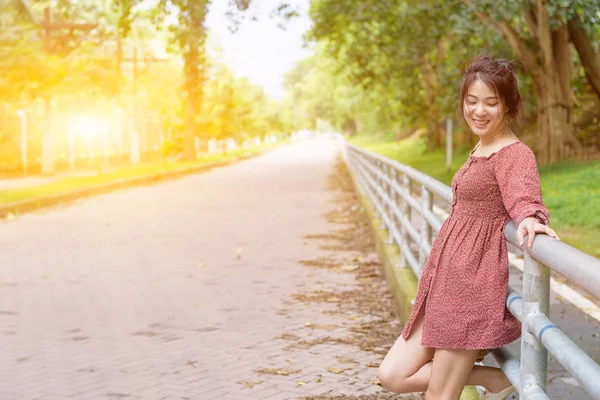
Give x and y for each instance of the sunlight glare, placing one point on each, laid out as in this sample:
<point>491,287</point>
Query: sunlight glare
<point>88,125</point>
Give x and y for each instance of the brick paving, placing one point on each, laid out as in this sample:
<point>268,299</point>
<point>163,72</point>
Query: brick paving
<point>186,290</point>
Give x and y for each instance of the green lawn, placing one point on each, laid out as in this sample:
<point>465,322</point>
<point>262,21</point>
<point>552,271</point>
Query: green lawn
<point>69,184</point>
<point>571,190</point>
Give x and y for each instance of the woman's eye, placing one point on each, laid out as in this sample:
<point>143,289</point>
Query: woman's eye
<point>493,105</point>
<point>470,103</point>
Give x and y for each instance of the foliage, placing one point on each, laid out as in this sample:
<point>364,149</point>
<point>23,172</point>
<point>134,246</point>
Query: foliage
<point>543,34</point>
<point>406,65</point>
<point>82,76</point>
<point>405,58</point>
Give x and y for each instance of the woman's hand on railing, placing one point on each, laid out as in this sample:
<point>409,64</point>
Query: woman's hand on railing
<point>530,226</point>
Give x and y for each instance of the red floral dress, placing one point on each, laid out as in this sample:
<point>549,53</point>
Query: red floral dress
<point>464,283</point>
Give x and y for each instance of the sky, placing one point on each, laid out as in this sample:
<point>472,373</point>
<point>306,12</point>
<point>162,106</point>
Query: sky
<point>260,50</point>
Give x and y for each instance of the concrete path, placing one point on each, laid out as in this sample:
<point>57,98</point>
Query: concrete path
<point>187,290</point>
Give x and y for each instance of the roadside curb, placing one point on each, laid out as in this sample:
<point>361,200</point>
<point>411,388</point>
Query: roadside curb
<point>30,205</point>
<point>401,281</point>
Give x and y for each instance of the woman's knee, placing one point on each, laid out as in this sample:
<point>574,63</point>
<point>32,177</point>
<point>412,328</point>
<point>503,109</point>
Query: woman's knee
<point>391,379</point>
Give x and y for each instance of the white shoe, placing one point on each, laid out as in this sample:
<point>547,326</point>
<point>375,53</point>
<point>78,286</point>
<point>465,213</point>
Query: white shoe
<point>498,396</point>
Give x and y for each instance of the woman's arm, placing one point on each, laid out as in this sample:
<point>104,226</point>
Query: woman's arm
<point>519,182</point>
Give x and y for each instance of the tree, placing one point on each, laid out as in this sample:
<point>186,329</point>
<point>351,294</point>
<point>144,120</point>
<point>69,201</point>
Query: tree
<point>540,33</point>
<point>416,50</point>
<point>189,34</point>
<point>406,56</point>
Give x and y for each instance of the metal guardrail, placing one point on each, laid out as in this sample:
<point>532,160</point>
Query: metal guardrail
<point>389,186</point>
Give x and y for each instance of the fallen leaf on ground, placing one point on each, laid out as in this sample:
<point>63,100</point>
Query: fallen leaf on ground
<point>361,329</point>
<point>335,370</point>
<point>278,371</point>
<point>248,384</point>
<point>289,336</point>
<point>323,326</point>
<point>350,267</point>
<point>346,360</point>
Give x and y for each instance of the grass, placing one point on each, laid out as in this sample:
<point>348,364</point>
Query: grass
<point>570,190</point>
<point>69,184</point>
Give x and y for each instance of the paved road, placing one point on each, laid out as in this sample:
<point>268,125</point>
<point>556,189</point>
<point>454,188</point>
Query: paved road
<point>181,290</point>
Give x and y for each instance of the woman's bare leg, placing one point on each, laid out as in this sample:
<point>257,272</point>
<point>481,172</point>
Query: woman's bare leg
<point>450,373</point>
<point>407,367</point>
<point>403,370</point>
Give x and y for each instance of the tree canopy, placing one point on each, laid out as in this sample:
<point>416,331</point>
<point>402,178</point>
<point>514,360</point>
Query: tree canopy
<point>407,58</point>
<point>129,64</point>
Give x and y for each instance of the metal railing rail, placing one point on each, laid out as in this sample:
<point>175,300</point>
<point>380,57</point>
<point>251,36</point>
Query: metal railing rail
<point>389,187</point>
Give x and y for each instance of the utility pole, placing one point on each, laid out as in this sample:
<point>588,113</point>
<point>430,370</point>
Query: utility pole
<point>135,141</point>
<point>134,136</point>
<point>48,153</point>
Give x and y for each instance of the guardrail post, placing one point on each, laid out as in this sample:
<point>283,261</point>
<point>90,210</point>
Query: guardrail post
<point>375,178</point>
<point>536,299</point>
<point>383,186</point>
<point>392,196</point>
<point>427,205</point>
<point>404,210</point>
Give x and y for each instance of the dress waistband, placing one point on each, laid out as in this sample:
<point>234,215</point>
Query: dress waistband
<point>479,209</point>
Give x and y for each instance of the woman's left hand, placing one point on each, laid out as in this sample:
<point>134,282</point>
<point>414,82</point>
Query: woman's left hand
<point>529,226</point>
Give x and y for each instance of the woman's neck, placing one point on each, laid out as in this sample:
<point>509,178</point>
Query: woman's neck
<point>498,140</point>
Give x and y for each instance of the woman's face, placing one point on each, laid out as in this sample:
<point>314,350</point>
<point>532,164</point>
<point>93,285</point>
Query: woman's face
<point>484,111</point>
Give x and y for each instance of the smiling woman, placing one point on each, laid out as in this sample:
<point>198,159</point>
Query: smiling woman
<point>490,98</point>
<point>460,309</point>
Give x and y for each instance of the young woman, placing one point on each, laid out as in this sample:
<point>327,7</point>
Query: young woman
<point>460,309</point>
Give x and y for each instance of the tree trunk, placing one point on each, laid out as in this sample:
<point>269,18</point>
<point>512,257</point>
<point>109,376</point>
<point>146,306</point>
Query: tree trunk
<point>194,75</point>
<point>554,127</point>
<point>554,100</point>
<point>556,138</point>
<point>190,130</point>
<point>589,59</point>
<point>547,57</point>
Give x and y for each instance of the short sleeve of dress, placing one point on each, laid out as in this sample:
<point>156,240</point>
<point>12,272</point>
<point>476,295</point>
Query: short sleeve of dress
<point>517,175</point>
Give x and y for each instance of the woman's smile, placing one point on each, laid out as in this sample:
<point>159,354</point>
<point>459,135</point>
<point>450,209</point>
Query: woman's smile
<point>484,112</point>
<point>480,123</point>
